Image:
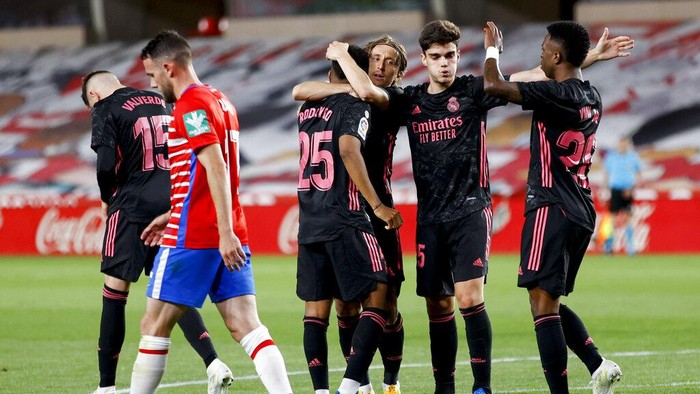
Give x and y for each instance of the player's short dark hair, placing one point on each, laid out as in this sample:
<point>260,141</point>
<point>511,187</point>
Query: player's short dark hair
<point>357,54</point>
<point>438,32</point>
<point>86,79</point>
<point>573,38</point>
<point>168,44</point>
<point>402,61</point>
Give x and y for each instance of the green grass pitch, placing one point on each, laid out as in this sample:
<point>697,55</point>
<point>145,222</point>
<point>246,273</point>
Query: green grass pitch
<point>643,312</point>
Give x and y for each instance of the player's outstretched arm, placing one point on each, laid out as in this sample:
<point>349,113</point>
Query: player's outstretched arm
<point>494,83</point>
<point>350,152</point>
<point>608,48</point>
<point>605,49</point>
<point>317,90</point>
<point>358,78</point>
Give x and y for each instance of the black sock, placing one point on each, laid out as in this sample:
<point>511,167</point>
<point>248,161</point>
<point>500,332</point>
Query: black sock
<point>364,342</point>
<point>112,331</point>
<point>578,340</point>
<point>479,338</point>
<point>316,350</point>
<point>346,329</point>
<point>391,349</point>
<point>197,335</point>
<point>443,351</point>
<point>552,346</point>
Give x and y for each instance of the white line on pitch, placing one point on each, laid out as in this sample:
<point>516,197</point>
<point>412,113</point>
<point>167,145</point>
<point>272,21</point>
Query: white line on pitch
<point>494,361</point>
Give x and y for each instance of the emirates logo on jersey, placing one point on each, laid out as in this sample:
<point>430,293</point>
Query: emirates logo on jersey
<point>453,104</point>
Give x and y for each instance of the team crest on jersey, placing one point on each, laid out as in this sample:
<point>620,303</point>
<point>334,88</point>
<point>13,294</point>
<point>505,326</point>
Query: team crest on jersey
<point>453,104</point>
<point>196,122</point>
<point>363,126</point>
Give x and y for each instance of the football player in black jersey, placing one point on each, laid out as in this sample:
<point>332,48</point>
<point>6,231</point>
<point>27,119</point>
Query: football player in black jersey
<point>559,212</point>
<point>339,256</point>
<point>375,85</point>
<point>128,135</point>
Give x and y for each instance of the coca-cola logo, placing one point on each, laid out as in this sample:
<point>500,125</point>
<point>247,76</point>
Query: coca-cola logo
<point>70,235</point>
<point>289,228</point>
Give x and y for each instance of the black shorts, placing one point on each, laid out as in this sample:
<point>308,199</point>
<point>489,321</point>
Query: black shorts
<point>620,200</point>
<point>124,255</point>
<point>347,267</point>
<point>390,243</point>
<point>552,250</point>
<point>451,252</point>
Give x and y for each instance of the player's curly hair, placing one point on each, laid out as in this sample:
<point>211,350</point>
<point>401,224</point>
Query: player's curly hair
<point>573,38</point>
<point>402,61</point>
<point>439,32</point>
<point>168,44</point>
<point>357,54</point>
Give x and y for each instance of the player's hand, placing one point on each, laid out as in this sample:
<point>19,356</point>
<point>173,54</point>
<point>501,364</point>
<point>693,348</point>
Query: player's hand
<point>152,235</point>
<point>336,49</point>
<point>232,252</point>
<point>607,49</point>
<point>493,37</point>
<point>390,216</point>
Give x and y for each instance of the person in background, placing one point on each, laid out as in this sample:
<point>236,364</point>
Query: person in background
<point>622,168</point>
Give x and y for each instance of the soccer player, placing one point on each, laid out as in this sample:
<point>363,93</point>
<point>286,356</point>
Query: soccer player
<point>128,135</point>
<point>622,167</point>
<point>204,237</point>
<point>559,213</point>
<point>339,256</point>
<point>387,64</point>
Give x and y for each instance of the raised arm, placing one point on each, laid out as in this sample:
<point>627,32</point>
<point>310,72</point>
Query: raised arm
<point>358,78</point>
<point>494,83</point>
<point>605,49</point>
<point>350,152</point>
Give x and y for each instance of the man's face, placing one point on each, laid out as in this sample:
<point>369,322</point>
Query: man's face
<point>159,79</point>
<point>383,65</point>
<point>549,58</point>
<point>441,60</point>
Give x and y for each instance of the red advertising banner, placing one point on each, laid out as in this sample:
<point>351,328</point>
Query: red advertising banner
<point>74,226</point>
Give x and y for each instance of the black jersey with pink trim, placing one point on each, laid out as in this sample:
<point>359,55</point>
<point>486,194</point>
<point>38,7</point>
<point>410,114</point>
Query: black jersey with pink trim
<point>380,144</point>
<point>132,125</point>
<point>562,143</point>
<point>329,200</point>
<point>446,133</point>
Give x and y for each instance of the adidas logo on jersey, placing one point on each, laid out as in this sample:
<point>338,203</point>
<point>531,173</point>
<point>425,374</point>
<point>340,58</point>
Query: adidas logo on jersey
<point>416,110</point>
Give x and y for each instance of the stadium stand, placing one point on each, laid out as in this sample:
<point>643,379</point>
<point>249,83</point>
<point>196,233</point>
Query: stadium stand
<point>651,95</point>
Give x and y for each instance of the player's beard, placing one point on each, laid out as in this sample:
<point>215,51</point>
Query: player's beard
<point>168,93</point>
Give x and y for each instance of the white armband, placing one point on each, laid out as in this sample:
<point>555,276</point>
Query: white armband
<point>492,53</point>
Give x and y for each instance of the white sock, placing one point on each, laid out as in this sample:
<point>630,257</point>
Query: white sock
<point>348,386</point>
<point>366,389</point>
<point>268,360</point>
<point>322,391</point>
<point>150,364</point>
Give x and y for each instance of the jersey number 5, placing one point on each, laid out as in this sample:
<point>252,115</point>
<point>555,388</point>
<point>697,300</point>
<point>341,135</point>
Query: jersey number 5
<point>152,136</point>
<point>319,160</point>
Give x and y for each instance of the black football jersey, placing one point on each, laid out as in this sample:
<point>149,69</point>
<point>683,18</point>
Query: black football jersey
<point>446,133</point>
<point>380,144</point>
<point>562,143</point>
<point>133,123</point>
<point>329,200</point>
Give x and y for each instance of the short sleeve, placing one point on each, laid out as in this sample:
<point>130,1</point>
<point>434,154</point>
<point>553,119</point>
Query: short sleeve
<point>196,117</point>
<point>355,120</point>
<point>549,95</point>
